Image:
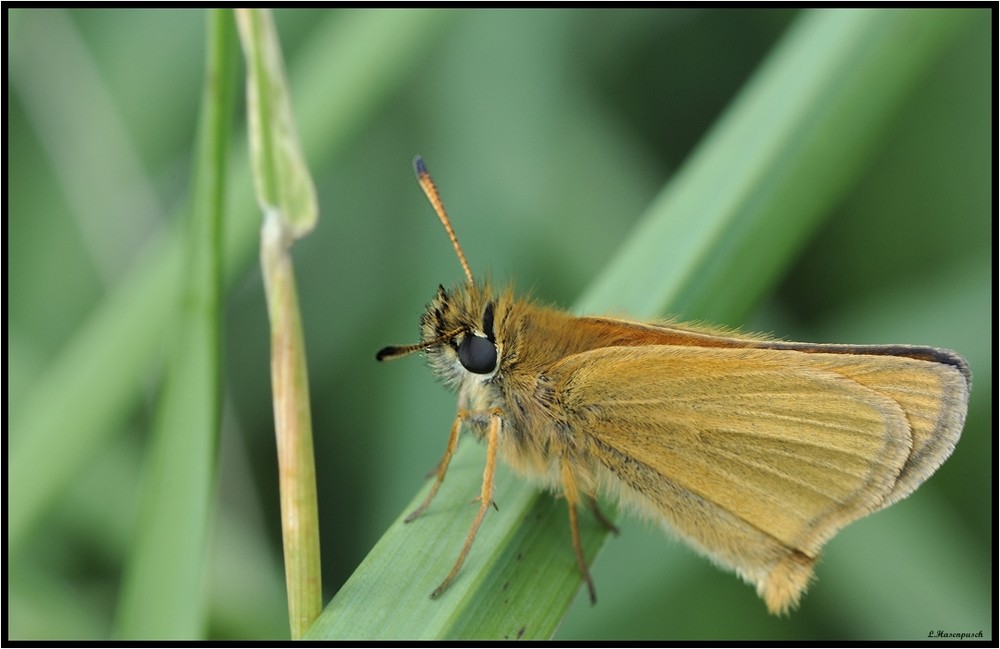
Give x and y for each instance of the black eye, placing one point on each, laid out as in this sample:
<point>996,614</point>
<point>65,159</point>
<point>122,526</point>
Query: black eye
<point>478,355</point>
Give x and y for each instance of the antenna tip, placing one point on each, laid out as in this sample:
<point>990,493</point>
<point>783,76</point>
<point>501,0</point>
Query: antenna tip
<point>419,166</point>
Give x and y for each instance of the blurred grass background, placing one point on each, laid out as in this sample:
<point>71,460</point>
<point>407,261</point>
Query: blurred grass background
<point>548,133</point>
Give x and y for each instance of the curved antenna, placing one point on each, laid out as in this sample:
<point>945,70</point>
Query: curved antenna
<point>395,351</point>
<point>430,189</point>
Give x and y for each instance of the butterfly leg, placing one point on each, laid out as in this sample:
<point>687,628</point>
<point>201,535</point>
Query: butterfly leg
<point>485,495</point>
<point>572,494</point>
<point>441,468</point>
<point>601,518</point>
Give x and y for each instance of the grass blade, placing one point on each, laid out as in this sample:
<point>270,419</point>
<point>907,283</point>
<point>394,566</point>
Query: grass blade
<point>287,196</point>
<point>121,340</point>
<point>161,595</point>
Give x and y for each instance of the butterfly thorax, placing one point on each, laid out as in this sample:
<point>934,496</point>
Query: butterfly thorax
<point>499,353</point>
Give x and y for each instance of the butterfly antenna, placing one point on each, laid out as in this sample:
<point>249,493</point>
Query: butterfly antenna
<point>430,189</point>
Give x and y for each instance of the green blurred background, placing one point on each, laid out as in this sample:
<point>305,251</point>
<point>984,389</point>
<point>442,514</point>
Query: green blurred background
<point>548,133</point>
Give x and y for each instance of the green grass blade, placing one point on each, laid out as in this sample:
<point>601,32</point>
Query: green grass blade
<point>281,177</point>
<point>800,133</point>
<point>118,343</point>
<point>287,196</point>
<point>709,247</point>
<point>121,340</point>
<point>162,592</point>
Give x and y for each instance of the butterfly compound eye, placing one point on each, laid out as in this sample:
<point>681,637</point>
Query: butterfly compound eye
<point>478,355</point>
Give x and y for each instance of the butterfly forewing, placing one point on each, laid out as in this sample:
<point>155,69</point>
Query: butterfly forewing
<point>756,456</point>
